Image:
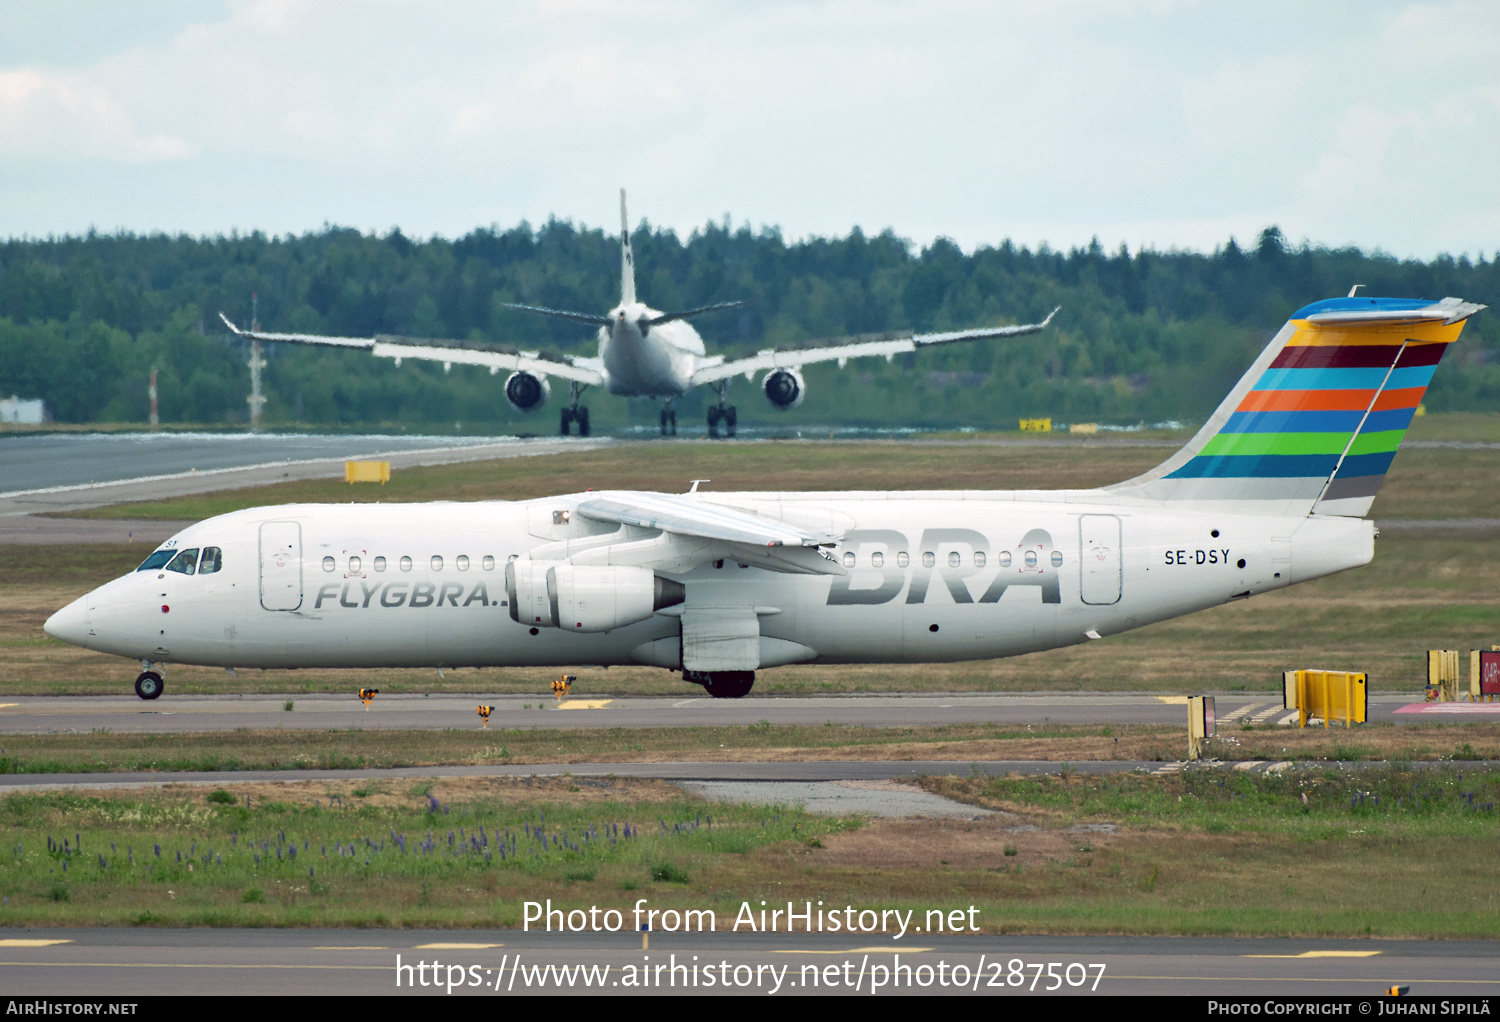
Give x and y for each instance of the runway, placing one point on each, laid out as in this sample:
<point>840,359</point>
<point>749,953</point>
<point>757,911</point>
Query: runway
<point>148,961</point>
<point>127,713</point>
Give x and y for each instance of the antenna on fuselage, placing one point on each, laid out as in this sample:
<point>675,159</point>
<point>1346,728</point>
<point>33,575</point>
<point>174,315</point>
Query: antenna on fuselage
<point>627,258</point>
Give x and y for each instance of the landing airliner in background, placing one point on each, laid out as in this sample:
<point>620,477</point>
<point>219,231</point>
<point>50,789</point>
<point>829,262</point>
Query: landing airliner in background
<point>644,352</point>
<point>1271,491</point>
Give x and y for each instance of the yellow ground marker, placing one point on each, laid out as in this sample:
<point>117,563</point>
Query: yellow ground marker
<point>454,947</point>
<point>584,704</point>
<point>855,951</point>
<point>20,942</point>
<point>5,705</point>
<point>1322,954</point>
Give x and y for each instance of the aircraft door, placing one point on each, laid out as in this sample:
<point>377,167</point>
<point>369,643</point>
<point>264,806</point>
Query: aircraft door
<point>1099,548</point>
<point>280,565</point>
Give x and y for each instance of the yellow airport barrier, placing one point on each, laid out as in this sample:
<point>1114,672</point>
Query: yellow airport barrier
<point>1084,427</point>
<point>1326,695</point>
<point>1484,674</point>
<point>1201,725</point>
<point>1442,674</point>
<point>1036,425</point>
<point>367,472</point>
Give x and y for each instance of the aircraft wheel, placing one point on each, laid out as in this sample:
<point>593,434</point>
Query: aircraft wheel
<point>731,420</point>
<point>148,685</point>
<point>729,684</point>
<point>567,421</point>
<point>582,416</point>
<point>713,421</point>
<point>663,422</point>
<point>672,421</point>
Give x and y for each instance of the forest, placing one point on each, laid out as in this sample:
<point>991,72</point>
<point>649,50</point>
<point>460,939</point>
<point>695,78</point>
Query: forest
<point>1142,338</point>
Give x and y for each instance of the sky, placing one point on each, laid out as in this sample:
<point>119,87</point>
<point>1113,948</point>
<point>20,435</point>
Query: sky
<point>1151,124</point>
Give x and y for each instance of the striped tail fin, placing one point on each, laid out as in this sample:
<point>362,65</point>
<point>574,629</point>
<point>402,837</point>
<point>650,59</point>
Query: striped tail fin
<point>1313,425</point>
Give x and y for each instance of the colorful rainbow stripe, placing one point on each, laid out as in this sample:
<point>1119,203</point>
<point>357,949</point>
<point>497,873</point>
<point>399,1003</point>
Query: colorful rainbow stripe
<point>1320,415</point>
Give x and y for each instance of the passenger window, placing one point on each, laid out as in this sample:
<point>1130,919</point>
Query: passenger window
<point>1057,558</point>
<point>461,562</point>
<point>328,564</point>
<point>405,563</point>
<point>1005,558</point>
<point>1031,558</point>
<point>877,560</point>
<point>437,562</point>
<point>379,564</point>
<point>156,560</point>
<point>489,562</point>
<point>211,560</point>
<point>954,558</point>
<point>979,558</point>
<point>185,562</point>
<point>928,558</point>
<point>848,558</point>
<point>354,565</point>
<point>903,559</point>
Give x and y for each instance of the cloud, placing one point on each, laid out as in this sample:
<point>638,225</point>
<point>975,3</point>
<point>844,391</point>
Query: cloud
<point>49,114</point>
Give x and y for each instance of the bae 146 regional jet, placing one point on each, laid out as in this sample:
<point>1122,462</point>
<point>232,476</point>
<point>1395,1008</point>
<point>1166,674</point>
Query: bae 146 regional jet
<point>644,352</point>
<point>1272,490</point>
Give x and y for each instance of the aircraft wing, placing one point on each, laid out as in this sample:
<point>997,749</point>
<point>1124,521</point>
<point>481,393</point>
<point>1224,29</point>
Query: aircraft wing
<point>844,348</point>
<point>691,516</point>
<point>493,357</point>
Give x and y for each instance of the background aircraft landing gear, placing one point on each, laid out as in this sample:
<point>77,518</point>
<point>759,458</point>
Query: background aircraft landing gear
<point>148,685</point>
<point>574,413</point>
<point>722,413</point>
<point>669,422</point>
<point>723,684</point>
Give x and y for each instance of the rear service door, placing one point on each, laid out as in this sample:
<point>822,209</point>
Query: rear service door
<point>1099,546</point>
<point>280,565</point>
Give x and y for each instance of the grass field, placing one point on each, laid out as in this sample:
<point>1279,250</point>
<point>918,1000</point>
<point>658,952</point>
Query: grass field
<point>275,749</point>
<point>1381,853</point>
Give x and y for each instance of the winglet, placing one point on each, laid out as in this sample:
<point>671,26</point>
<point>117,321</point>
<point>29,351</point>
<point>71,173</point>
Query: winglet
<point>233,329</point>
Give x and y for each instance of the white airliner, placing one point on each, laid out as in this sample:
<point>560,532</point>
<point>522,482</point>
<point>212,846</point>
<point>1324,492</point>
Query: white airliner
<point>1271,491</point>
<point>644,352</point>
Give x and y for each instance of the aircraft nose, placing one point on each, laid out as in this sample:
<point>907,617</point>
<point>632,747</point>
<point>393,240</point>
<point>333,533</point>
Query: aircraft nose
<point>71,624</point>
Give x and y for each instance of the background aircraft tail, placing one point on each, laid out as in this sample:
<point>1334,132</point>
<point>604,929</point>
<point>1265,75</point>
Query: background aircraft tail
<point>1312,427</point>
<point>627,258</point>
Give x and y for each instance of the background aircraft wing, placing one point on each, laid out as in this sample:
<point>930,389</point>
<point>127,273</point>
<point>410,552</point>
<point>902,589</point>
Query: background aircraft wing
<point>476,353</point>
<point>844,348</point>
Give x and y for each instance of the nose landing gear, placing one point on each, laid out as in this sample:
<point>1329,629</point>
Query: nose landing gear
<point>149,683</point>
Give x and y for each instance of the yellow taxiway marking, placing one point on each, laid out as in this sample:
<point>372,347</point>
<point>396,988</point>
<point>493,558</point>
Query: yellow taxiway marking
<point>854,951</point>
<point>1322,954</point>
<point>1173,700</point>
<point>8,705</point>
<point>584,704</point>
<point>19,942</point>
<point>454,947</point>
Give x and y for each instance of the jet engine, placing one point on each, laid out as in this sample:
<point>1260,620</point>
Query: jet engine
<point>581,598</point>
<point>526,392</point>
<point>784,388</point>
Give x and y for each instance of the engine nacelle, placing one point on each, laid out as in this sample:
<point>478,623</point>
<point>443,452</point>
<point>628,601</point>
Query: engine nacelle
<point>585,598</point>
<point>784,388</point>
<point>526,392</point>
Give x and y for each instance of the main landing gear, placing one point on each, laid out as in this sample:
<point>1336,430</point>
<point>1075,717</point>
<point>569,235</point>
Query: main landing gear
<point>149,684</point>
<point>669,418</point>
<point>574,412</point>
<point>722,413</point>
<point>722,684</point>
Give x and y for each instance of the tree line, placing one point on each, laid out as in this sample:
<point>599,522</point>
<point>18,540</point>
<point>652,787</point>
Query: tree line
<point>1145,336</point>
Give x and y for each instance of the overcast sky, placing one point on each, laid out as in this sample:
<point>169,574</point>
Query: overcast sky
<point>1156,123</point>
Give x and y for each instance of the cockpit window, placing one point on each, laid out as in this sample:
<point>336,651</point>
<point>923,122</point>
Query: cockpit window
<point>156,560</point>
<point>185,562</point>
<point>211,560</point>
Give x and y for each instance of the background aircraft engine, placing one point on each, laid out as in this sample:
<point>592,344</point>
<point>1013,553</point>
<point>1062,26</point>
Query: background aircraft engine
<point>784,388</point>
<point>526,392</point>
<point>585,598</point>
